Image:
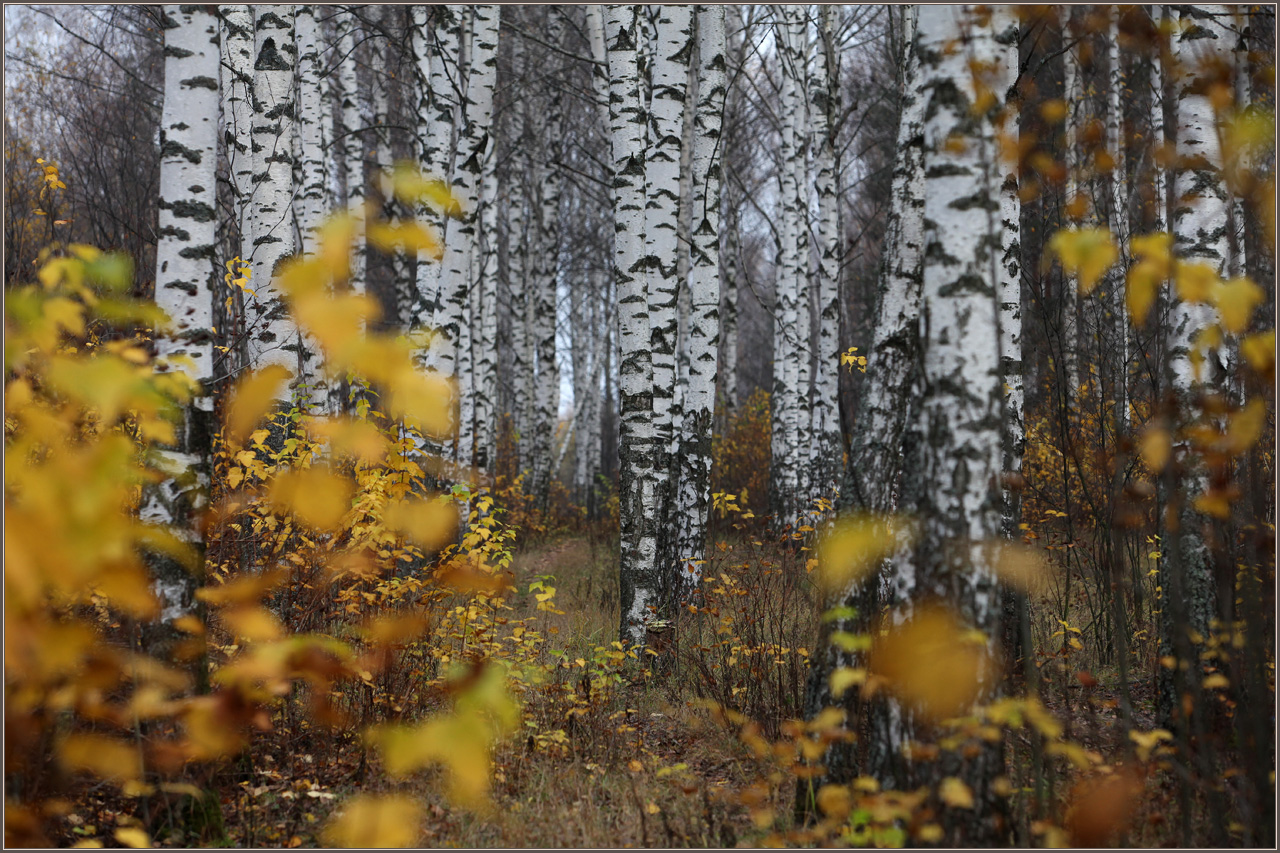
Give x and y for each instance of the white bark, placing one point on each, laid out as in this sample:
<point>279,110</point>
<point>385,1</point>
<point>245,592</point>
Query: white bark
<point>1070,304</point>
<point>273,337</point>
<point>352,141</point>
<point>673,46</point>
<point>236,75</point>
<point>185,280</point>
<point>312,202</point>
<point>704,296</point>
<point>638,588</point>
<point>1011,301</point>
<point>1118,220</point>
<point>824,91</point>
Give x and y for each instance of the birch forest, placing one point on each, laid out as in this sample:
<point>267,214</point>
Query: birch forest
<point>618,426</point>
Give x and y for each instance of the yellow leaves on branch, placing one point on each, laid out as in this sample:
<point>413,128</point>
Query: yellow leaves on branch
<point>254,396</point>
<point>460,741</point>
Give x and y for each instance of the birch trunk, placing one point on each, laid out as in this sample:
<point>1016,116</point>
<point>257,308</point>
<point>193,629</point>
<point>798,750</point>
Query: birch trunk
<point>274,337</point>
<point>828,445</point>
<point>886,439</point>
<point>484,279</point>
<point>546,253</point>
<point>1200,218</point>
<point>236,75</point>
<point>638,446</point>
<point>786,376</point>
<point>704,293</point>
<point>959,499</point>
<point>1070,303</point>
<point>185,280</point>
<point>673,48</point>
<point>311,202</point>
<point>352,142</point>
<point>1118,220</point>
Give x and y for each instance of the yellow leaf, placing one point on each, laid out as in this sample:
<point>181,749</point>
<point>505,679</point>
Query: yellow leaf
<point>652,808</point>
<point>132,836</point>
<point>1235,301</point>
<point>395,628</point>
<point>1020,566</point>
<point>1145,742</point>
<point>105,757</point>
<point>335,238</point>
<point>350,437</point>
<point>246,589</point>
<point>1245,427</point>
<point>844,678</point>
<point>1086,253</point>
<point>930,833</point>
<point>1155,447</point>
<point>835,800</point>
<point>430,523</point>
<point>412,187</point>
<point>932,663</point>
<point>1195,281</point>
<point>255,624</point>
<point>391,820</point>
<point>424,401</point>
<point>955,793</point>
<point>411,237</point>
<point>1142,284</point>
<point>634,766</point>
<point>253,397</point>
<point>1260,350</point>
<point>852,549</point>
<point>316,497</point>
<point>1216,681</point>
<point>1213,503</point>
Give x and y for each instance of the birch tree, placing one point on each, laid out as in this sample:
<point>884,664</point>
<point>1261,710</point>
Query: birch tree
<point>270,238</point>
<point>1199,223</point>
<point>953,484</point>
<point>545,254</point>
<point>186,276</point>
<point>704,289</point>
<point>236,88</point>
<point>885,440</point>
<point>638,446</point>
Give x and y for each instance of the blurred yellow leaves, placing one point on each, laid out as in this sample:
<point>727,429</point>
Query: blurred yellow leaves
<point>1155,447</point>
<point>315,496</point>
<point>933,663</point>
<point>254,396</point>
<point>955,793</point>
<point>460,741</point>
<point>104,757</point>
<point>855,547</point>
<point>1152,269</point>
<point>412,187</point>
<point>376,821</point>
<point>430,523</point>
<point>1086,253</point>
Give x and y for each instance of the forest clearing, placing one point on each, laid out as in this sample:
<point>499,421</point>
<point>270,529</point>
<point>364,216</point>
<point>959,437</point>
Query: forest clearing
<point>640,426</point>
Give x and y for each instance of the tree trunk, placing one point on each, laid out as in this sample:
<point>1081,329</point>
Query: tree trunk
<point>185,280</point>
<point>704,291</point>
<point>638,449</point>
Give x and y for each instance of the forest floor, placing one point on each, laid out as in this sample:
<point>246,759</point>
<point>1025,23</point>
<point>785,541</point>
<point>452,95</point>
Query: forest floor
<point>644,765</point>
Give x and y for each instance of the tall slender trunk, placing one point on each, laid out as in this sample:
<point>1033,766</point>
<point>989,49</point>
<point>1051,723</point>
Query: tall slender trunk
<point>1118,219</point>
<point>352,141</point>
<point>673,49</point>
<point>311,202</point>
<point>546,252</point>
<point>704,292</point>
<point>236,75</point>
<point>185,281</point>
<point>886,439</point>
<point>784,486</point>
<point>824,90</point>
<point>274,336</point>
<point>1199,228</point>
<point>638,447</point>
<point>1070,304</point>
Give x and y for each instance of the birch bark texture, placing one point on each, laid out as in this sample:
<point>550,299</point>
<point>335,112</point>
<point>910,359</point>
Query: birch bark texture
<point>638,445</point>
<point>186,276</point>
<point>274,337</point>
<point>694,457</point>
